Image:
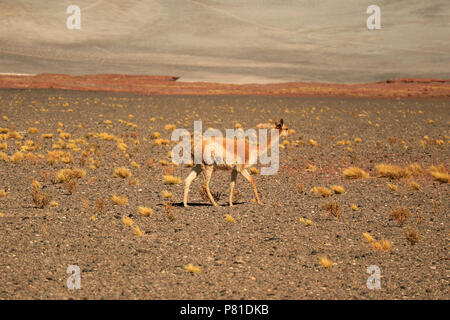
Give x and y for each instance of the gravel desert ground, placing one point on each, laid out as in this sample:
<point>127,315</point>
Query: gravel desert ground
<point>304,242</point>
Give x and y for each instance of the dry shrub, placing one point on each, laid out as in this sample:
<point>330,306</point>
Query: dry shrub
<point>415,169</point>
<point>391,186</point>
<point>439,173</point>
<point>355,173</point>
<point>229,218</point>
<point>160,142</point>
<point>40,198</point>
<point>391,171</point>
<point>368,237</point>
<point>36,185</point>
<point>414,185</point>
<point>146,212</point>
<point>412,236</point>
<point>169,209</point>
<point>122,172</point>
<point>400,214</point>
<point>119,200</point>
<point>192,269</point>
<point>169,171</point>
<point>3,193</point>
<point>155,135</point>
<point>127,221</point>
<point>322,191</point>
<point>216,195</point>
<point>169,179</point>
<point>17,157</point>
<point>325,262</point>
<point>300,188</point>
<point>71,185</point>
<point>138,232</point>
<point>333,208</point>
<point>338,189</point>
<point>100,205</point>
<point>65,175</point>
<point>167,194</point>
<point>383,244</point>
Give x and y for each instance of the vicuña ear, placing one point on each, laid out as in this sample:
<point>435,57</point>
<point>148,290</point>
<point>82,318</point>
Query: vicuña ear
<point>281,122</point>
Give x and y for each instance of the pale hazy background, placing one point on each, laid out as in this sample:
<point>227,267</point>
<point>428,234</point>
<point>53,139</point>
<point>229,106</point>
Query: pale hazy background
<point>229,40</point>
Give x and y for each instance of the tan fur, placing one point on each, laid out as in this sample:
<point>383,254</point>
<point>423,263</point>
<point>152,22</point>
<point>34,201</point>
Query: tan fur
<point>231,148</point>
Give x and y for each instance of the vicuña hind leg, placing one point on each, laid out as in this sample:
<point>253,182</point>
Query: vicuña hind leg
<point>232,184</point>
<point>187,182</point>
<point>208,174</point>
<point>247,176</point>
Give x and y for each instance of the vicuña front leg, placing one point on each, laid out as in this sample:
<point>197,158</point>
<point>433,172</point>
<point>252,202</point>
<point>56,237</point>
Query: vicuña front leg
<point>249,178</point>
<point>187,182</point>
<point>208,174</point>
<point>232,184</point>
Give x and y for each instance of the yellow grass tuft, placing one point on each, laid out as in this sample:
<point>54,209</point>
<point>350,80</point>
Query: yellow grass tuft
<point>305,222</point>
<point>119,200</point>
<point>127,221</point>
<point>414,185</point>
<point>415,169</point>
<point>311,168</point>
<point>14,135</point>
<point>162,142</point>
<point>3,146</point>
<point>135,165</point>
<point>312,142</point>
<point>355,173</point>
<point>338,189</point>
<point>167,194</point>
<point>17,157</point>
<point>54,204</point>
<point>106,136</point>
<point>4,156</point>
<point>3,193</point>
<point>325,262</point>
<point>65,135</point>
<point>391,171</point>
<point>138,232</point>
<point>146,212</point>
<point>391,186</point>
<point>169,179</point>
<point>192,269</point>
<point>65,175</point>
<point>439,173</point>
<point>163,162</point>
<point>36,185</point>
<point>368,237</point>
<point>229,218</point>
<point>324,192</point>
<point>122,172</point>
<point>155,135</point>
<point>170,127</point>
<point>354,207</point>
<point>122,146</point>
<point>33,130</point>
